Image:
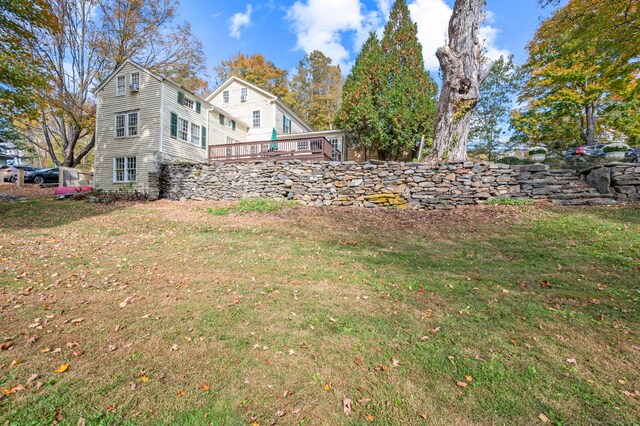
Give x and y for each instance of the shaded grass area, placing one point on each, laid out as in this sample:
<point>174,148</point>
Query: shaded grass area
<point>278,317</point>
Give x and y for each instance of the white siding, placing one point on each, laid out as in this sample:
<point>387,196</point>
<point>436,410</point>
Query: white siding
<point>176,148</point>
<point>296,126</point>
<point>219,132</point>
<point>244,110</point>
<point>144,146</point>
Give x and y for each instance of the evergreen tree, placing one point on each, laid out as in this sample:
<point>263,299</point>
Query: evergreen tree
<point>359,113</point>
<point>388,100</point>
<point>317,87</point>
<point>407,92</point>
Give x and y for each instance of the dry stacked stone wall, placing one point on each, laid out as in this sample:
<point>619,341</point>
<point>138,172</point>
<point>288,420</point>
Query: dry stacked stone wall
<point>379,184</point>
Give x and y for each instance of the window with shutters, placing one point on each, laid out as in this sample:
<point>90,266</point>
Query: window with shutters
<point>195,134</point>
<point>225,96</point>
<point>286,125</point>
<point>221,119</point>
<point>183,129</point>
<point>121,83</point>
<point>124,169</point>
<point>188,103</point>
<point>256,118</point>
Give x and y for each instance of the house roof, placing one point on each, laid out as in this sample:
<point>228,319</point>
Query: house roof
<point>148,71</point>
<point>268,95</point>
<point>233,79</point>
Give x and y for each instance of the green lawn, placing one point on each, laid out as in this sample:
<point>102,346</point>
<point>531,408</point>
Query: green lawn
<point>199,313</point>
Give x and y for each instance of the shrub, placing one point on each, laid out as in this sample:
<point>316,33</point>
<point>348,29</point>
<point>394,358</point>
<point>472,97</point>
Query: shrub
<point>616,147</point>
<point>537,150</point>
<point>514,161</point>
<point>106,197</point>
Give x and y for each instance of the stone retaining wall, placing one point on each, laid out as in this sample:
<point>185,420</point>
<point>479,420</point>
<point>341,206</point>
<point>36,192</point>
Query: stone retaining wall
<point>377,184</point>
<point>620,180</point>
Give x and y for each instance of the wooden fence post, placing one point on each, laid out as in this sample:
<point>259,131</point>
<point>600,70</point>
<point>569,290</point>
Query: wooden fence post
<point>20,178</point>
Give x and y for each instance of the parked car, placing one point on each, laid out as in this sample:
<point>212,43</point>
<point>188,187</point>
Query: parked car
<point>632,154</point>
<point>10,173</point>
<point>587,150</point>
<point>43,176</point>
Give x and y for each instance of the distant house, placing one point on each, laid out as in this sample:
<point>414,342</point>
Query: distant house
<point>144,119</point>
<point>10,154</point>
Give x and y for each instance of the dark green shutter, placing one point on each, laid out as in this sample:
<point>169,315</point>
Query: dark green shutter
<point>198,107</point>
<point>204,137</point>
<point>221,118</point>
<point>174,125</point>
<point>181,98</point>
<point>233,125</point>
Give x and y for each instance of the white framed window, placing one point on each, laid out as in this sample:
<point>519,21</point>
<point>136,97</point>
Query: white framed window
<point>126,125</point>
<point>286,125</point>
<point>231,124</point>
<point>335,149</point>
<point>132,128</point>
<point>244,94</point>
<point>195,134</point>
<point>188,103</point>
<point>230,139</point>
<point>120,128</point>
<point>121,83</point>
<point>135,81</point>
<point>256,118</point>
<point>124,169</point>
<point>183,129</point>
<point>225,96</point>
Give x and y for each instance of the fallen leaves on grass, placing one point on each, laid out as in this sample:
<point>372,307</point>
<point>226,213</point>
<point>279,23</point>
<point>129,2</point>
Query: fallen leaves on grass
<point>395,362</point>
<point>62,368</point>
<point>572,361</point>
<point>174,347</point>
<point>144,379</point>
<point>6,345</point>
<point>181,393</point>
<point>204,387</point>
<point>543,418</point>
<point>462,384</point>
<point>327,387</point>
<point>369,418</point>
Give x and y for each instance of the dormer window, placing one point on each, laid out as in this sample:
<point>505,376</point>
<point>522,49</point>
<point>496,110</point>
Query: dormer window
<point>244,93</point>
<point>121,82</point>
<point>225,96</point>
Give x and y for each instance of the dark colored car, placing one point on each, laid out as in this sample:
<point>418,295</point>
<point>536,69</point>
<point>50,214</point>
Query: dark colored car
<point>10,173</point>
<point>587,150</point>
<point>43,176</point>
<point>632,154</point>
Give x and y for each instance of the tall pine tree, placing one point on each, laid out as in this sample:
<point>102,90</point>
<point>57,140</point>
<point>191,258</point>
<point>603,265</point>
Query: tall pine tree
<point>388,99</point>
<point>359,113</point>
<point>407,92</point>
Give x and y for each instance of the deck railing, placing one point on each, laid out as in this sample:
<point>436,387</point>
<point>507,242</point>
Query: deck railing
<point>314,148</point>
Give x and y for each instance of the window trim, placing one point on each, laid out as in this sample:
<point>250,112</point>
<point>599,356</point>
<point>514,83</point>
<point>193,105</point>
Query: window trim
<point>253,118</point>
<point>127,127</point>
<point>285,130</point>
<point>244,94</point>
<point>226,97</point>
<point>126,170</point>
<point>197,136</point>
<point>124,85</point>
<point>131,83</point>
<point>181,130</point>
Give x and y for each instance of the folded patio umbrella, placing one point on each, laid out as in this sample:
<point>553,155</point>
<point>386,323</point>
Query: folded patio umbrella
<point>274,137</point>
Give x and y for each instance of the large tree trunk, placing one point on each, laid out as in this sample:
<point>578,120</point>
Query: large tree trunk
<point>588,132</point>
<point>460,64</point>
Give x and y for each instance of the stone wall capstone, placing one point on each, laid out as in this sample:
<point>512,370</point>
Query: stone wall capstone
<point>381,184</point>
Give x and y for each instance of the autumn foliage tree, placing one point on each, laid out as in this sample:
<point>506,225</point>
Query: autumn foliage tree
<point>317,89</point>
<point>20,73</point>
<point>582,75</point>
<point>257,70</point>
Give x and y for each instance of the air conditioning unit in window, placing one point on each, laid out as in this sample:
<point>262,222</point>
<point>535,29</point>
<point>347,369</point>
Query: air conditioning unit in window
<point>134,88</point>
<point>243,98</point>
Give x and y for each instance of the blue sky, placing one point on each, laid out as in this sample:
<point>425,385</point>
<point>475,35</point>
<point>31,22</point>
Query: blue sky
<point>284,30</point>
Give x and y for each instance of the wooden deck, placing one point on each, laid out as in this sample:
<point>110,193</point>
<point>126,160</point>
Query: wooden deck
<point>306,149</point>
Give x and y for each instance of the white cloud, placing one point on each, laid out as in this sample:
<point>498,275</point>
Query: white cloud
<point>240,20</point>
<point>432,17</point>
<point>324,25</point>
<point>320,24</point>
